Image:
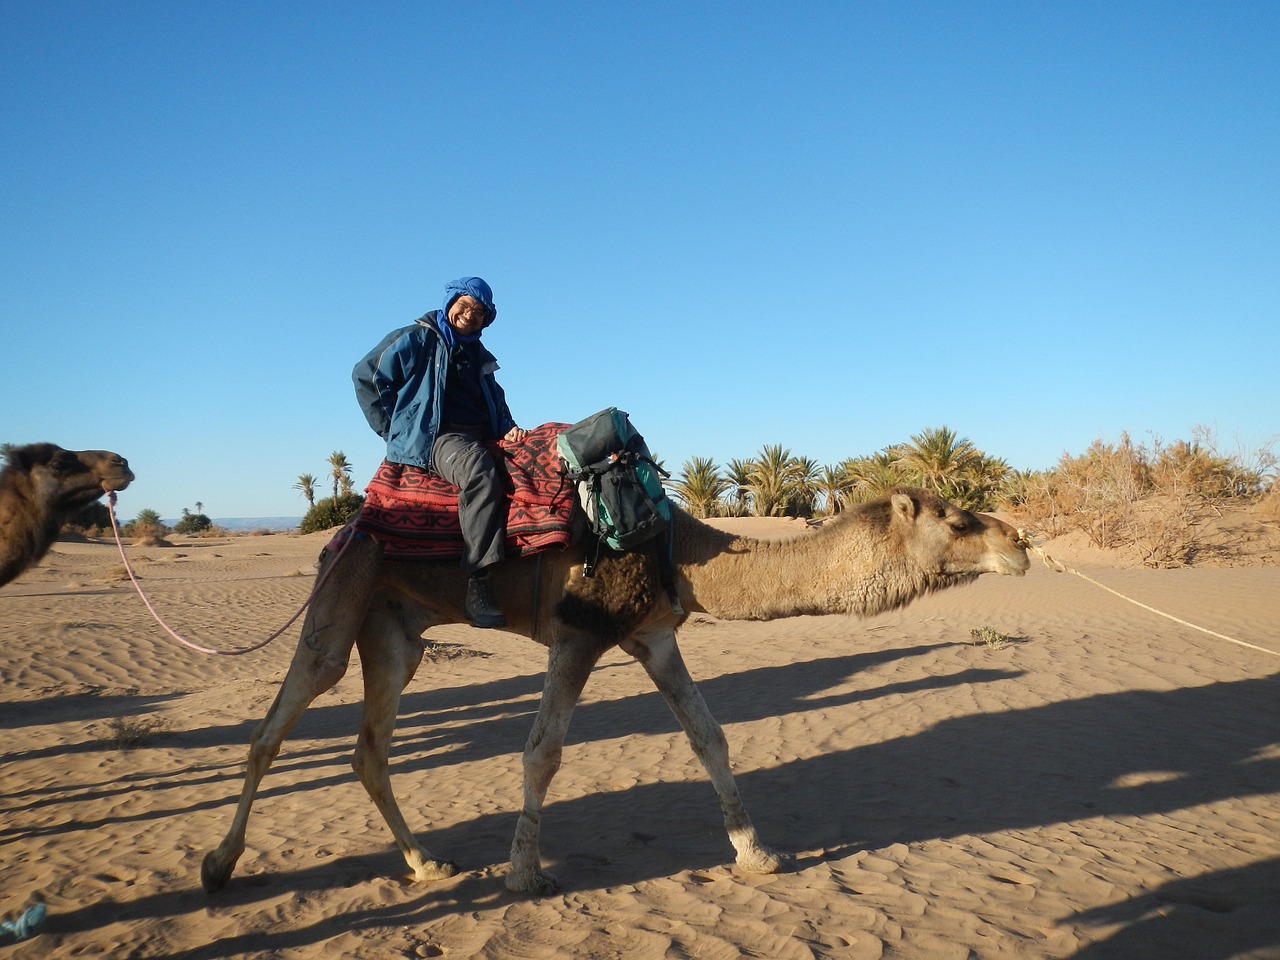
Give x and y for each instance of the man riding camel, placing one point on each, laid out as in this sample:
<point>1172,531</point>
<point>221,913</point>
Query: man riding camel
<point>429,391</point>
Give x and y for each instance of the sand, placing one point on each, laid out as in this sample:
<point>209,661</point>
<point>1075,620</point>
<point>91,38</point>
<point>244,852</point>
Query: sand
<point>1104,785</point>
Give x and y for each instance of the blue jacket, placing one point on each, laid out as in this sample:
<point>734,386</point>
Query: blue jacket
<point>400,386</point>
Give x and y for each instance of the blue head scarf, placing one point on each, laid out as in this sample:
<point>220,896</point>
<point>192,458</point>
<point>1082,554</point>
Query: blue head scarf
<point>465,287</point>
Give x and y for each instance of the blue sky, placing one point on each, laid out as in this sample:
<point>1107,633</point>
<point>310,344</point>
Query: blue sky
<point>822,225</point>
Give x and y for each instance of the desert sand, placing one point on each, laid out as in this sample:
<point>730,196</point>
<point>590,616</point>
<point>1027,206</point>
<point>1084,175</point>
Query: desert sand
<point>1104,785</point>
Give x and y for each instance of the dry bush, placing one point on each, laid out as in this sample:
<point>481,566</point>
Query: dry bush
<point>1099,490</point>
<point>1167,529</point>
<point>1033,498</point>
<point>1152,499</point>
<point>129,733</point>
<point>1269,505</point>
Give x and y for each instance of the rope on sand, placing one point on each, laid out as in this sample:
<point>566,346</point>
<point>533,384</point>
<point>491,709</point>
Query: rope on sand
<point>115,528</point>
<point>1058,567</point>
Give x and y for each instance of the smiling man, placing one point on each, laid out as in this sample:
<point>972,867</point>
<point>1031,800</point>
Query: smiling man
<point>429,391</point>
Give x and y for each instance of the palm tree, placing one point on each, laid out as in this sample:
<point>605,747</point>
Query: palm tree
<point>341,473</point>
<point>307,484</point>
<point>700,486</point>
<point>936,457</point>
<point>771,480</point>
<point>869,477</point>
<point>802,498</point>
<point>739,482</point>
<point>981,489</point>
<point>832,485</point>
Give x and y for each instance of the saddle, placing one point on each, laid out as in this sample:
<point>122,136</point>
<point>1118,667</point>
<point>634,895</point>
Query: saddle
<point>414,514</point>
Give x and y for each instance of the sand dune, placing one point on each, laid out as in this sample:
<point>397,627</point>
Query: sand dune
<point>1105,785</point>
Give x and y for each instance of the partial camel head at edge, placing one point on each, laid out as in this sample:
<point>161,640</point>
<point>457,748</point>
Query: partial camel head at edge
<point>41,485</point>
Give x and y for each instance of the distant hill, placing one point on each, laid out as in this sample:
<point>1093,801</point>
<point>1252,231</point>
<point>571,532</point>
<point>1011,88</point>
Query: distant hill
<point>246,524</point>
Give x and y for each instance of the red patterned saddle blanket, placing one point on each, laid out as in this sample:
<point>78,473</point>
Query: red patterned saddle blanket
<point>414,514</point>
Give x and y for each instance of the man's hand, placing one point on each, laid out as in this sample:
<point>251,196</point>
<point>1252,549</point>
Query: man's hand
<point>515,435</point>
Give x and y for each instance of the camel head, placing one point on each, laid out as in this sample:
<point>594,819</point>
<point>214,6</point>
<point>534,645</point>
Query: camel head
<point>944,539</point>
<point>69,479</point>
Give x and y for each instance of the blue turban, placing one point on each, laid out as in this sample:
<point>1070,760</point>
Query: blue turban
<point>471,287</point>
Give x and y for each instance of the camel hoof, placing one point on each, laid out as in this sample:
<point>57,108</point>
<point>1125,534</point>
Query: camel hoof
<point>762,860</point>
<point>539,883</point>
<point>434,870</point>
<point>214,875</point>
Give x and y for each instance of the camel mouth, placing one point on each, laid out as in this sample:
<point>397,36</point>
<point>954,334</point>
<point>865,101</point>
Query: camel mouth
<point>1015,567</point>
<point>113,484</point>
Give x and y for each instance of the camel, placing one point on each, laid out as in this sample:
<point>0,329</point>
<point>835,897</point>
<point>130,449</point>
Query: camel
<point>41,485</point>
<point>872,558</point>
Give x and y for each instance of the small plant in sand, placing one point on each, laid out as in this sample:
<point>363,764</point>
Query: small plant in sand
<point>990,637</point>
<point>114,574</point>
<point>128,733</point>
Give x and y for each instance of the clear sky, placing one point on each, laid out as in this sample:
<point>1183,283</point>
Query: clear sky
<point>822,225</point>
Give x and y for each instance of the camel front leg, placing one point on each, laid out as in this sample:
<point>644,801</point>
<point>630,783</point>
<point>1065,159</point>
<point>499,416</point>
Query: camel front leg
<point>389,657</point>
<point>662,661</point>
<point>568,667</point>
<point>328,634</point>
<point>311,674</point>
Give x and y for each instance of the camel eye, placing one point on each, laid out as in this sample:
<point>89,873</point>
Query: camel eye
<point>958,524</point>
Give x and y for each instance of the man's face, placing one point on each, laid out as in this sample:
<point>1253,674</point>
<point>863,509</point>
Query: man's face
<point>466,315</point>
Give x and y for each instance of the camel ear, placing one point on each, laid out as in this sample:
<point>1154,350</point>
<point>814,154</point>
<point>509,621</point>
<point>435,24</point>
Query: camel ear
<point>25,459</point>
<point>904,505</point>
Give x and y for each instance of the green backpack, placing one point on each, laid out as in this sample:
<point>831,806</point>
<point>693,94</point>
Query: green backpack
<point>619,484</point>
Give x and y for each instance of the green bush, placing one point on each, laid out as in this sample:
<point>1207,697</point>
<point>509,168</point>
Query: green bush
<point>331,512</point>
<point>91,517</point>
<point>146,525</point>
<point>192,522</point>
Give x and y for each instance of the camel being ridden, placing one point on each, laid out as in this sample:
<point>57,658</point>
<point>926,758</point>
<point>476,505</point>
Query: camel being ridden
<point>869,559</point>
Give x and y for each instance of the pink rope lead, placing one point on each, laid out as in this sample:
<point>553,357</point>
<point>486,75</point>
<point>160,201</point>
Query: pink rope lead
<point>111,511</point>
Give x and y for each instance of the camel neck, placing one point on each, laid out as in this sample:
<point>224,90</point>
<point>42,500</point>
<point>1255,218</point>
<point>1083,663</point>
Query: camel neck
<point>743,578</point>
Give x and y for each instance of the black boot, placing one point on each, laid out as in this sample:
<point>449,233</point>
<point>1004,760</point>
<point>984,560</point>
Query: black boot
<point>482,609</point>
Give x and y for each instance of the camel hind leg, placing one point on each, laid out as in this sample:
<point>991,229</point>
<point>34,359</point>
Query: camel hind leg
<point>389,657</point>
<point>328,634</point>
<point>660,656</point>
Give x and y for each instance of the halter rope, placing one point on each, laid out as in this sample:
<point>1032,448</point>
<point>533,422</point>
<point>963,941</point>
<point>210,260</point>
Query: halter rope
<point>115,528</point>
<point>1058,567</point>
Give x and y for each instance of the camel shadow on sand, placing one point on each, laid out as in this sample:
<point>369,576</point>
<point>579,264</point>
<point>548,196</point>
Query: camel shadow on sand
<point>1074,759</point>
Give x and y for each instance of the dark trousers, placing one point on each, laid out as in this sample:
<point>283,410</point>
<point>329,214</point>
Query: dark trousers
<point>463,460</point>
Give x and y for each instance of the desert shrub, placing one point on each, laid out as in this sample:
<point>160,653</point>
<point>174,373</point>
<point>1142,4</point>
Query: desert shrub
<point>991,638</point>
<point>146,526</point>
<point>1150,499</point>
<point>129,733</point>
<point>331,512</point>
<point>90,519</point>
<point>1033,497</point>
<point>1269,504</point>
